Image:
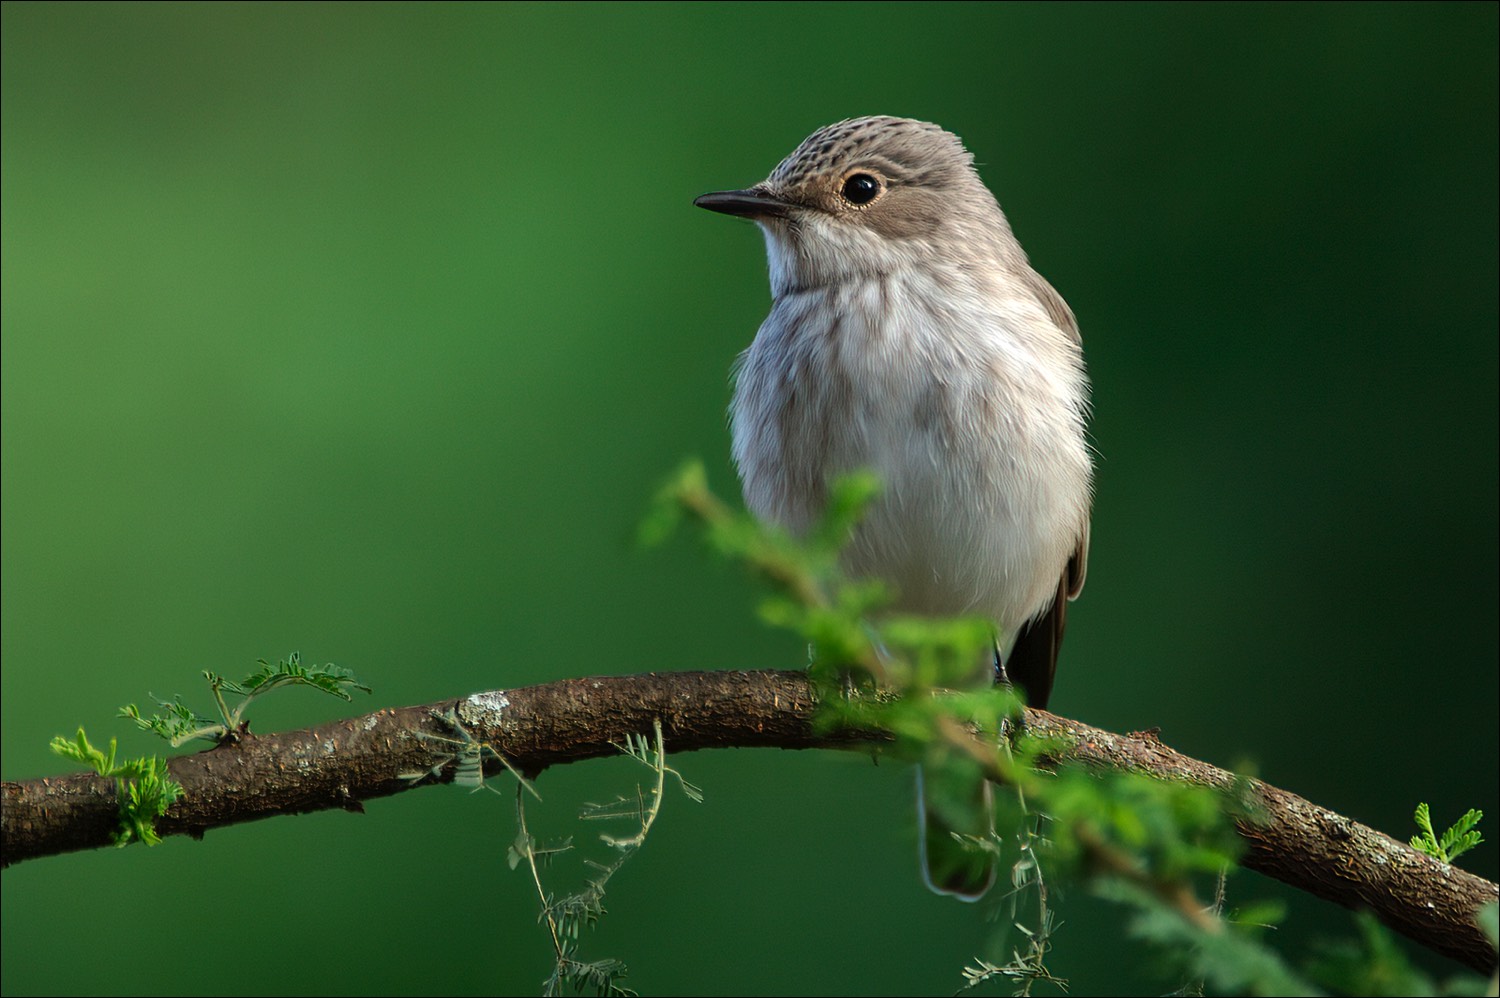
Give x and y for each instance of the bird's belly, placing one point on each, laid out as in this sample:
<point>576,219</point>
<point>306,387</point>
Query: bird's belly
<point>958,533</point>
<point>981,457</point>
<point>967,520</point>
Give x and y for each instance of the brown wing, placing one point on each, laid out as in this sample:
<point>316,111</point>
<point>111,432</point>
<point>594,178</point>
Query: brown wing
<point>1057,310</point>
<point>1033,659</point>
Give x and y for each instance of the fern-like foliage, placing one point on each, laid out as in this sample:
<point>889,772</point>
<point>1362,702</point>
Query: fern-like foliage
<point>568,918</point>
<point>1459,838</point>
<point>145,789</point>
<point>179,724</point>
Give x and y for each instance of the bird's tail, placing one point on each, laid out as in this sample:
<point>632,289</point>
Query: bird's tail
<point>955,837</point>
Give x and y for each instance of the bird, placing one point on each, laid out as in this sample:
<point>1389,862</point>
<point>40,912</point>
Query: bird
<point>909,335</point>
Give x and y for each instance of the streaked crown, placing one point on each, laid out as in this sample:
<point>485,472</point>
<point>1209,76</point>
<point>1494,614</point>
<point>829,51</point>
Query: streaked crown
<point>903,150</point>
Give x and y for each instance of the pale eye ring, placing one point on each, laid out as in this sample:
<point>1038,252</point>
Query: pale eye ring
<point>860,188</point>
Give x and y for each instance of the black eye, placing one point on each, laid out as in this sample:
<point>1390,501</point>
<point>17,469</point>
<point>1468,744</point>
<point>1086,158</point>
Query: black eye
<point>860,188</point>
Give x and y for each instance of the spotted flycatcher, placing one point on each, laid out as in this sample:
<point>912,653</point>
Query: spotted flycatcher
<point>909,335</point>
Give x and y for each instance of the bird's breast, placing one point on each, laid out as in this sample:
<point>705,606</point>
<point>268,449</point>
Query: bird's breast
<point>968,406</point>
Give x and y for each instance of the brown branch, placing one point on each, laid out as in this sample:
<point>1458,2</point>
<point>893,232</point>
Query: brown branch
<point>346,762</point>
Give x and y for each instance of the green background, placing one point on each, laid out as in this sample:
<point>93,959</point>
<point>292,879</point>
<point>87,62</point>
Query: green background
<point>369,330</point>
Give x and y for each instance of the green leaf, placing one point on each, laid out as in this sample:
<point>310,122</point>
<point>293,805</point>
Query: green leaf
<point>1458,839</point>
<point>79,750</point>
<point>1462,835</point>
<point>144,789</point>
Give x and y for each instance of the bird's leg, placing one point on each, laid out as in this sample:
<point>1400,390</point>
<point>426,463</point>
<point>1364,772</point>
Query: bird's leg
<point>1001,679</point>
<point>1008,728</point>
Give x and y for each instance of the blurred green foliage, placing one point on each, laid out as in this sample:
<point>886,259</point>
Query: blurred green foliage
<point>370,329</point>
<point>1144,842</point>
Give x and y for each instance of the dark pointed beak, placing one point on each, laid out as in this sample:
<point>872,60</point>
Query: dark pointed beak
<point>754,202</point>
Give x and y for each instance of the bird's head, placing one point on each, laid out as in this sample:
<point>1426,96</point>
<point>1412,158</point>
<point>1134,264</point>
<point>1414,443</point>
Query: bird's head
<point>868,196</point>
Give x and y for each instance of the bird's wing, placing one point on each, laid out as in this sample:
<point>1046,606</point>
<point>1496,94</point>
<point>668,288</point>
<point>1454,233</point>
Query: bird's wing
<point>1033,659</point>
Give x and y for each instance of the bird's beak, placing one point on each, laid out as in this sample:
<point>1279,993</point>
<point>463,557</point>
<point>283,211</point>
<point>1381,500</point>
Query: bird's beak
<point>754,202</point>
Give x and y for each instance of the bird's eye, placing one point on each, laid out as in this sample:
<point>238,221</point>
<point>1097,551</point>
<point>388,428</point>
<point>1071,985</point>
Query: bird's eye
<point>860,188</point>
